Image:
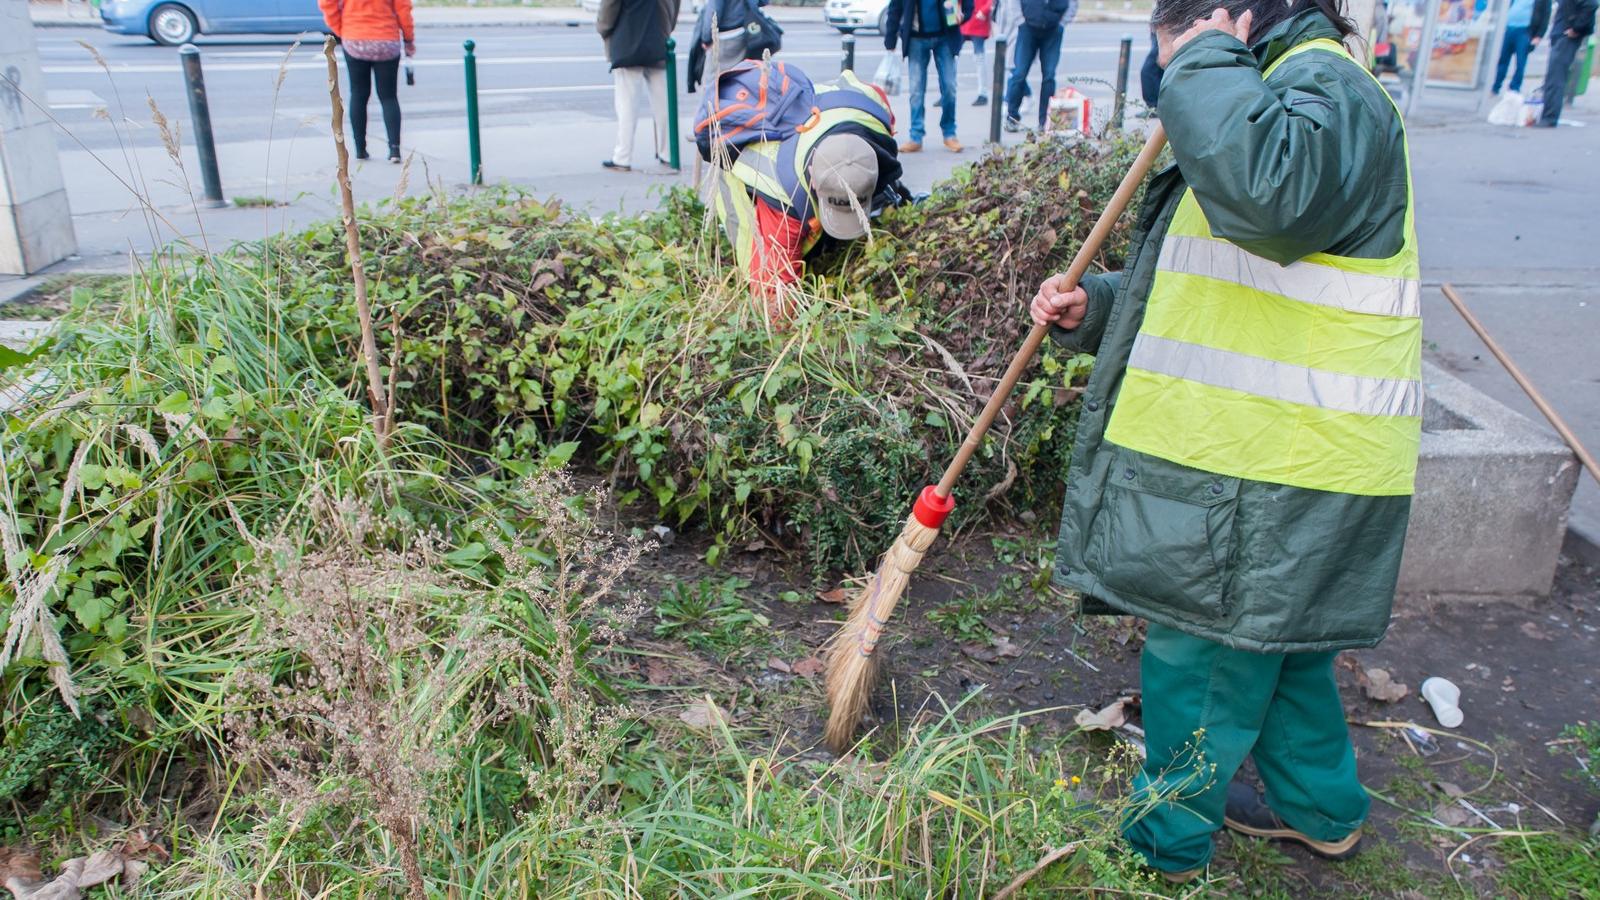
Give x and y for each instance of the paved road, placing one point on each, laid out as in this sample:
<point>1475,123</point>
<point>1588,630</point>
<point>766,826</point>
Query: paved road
<point>525,73</point>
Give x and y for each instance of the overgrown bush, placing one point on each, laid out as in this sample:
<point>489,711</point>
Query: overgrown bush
<point>629,344</point>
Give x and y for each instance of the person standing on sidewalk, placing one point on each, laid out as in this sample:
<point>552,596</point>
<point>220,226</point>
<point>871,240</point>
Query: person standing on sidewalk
<point>374,34</point>
<point>975,31</point>
<point>1574,21</point>
<point>635,32</point>
<point>1247,448</point>
<point>1038,37</point>
<point>726,19</point>
<point>1525,25</point>
<point>926,29</point>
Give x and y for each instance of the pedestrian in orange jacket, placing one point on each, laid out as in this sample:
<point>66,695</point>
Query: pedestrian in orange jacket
<point>374,34</point>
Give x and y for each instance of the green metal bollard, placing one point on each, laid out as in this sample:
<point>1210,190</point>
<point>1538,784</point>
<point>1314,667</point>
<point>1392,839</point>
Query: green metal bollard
<point>672,102</point>
<point>474,148</point>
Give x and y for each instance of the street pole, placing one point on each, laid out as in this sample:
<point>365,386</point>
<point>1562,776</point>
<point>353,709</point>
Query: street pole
<point>848,62</point>
<point>474,148</point>
<point>997,90</point>
<point>200,112</point>
<point>672,102</point>
<point>1124,56</point>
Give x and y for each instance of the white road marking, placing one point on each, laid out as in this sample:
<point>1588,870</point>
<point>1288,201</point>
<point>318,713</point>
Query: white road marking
<point>173,66</point>
<point>75,99</point>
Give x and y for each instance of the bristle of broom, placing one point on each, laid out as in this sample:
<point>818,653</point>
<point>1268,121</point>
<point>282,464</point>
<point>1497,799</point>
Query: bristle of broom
<point>852,666</point>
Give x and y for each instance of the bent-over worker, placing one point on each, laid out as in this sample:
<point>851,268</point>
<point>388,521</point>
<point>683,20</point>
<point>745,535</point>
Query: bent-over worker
<point>777,199</point>
<point>1244,462</point>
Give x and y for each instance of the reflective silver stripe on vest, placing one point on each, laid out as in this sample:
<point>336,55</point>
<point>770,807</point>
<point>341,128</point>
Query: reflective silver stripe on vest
<point>1376,295</point>
<point>1277,380</point>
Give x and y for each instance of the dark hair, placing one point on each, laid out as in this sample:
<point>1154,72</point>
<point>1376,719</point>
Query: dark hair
<point>1178,15</point>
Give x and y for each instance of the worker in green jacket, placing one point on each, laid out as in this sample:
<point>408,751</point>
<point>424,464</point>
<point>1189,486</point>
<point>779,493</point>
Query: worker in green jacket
<point>1248,439</point>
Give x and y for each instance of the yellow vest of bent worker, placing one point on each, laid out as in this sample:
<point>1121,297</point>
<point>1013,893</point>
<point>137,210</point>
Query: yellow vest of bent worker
<point>1306,375</point>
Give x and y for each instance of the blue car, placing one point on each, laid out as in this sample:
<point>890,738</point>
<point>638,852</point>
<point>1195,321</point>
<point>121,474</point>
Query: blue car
<point>173,22</point>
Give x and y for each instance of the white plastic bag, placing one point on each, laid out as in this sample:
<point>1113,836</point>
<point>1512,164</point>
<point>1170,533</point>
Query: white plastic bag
<point>889,74</point>
<point>1508,110</point>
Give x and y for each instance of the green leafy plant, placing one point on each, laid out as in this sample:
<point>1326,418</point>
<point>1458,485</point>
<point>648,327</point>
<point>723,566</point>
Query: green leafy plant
<point>710,614</point>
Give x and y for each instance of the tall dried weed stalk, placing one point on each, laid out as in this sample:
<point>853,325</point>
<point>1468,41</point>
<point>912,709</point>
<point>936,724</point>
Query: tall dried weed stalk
<point>570,569</point>
<point>376,667</point>
<point>379,667</point>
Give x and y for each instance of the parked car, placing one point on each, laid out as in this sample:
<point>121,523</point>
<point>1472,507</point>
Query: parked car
<point>173,22</point>
<point>851,15</point>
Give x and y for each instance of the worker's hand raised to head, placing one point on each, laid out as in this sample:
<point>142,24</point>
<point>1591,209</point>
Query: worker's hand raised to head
<point>1219,21</point>
<point>1053,306</point>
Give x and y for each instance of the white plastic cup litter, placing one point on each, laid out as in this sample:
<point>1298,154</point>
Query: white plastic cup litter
<point>1445,698</point>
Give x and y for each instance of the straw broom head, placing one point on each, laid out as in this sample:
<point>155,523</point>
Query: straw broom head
<point>851,661</point>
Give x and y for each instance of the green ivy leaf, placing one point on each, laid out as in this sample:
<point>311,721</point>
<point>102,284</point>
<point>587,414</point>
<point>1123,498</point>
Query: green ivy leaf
<point>175,403</point>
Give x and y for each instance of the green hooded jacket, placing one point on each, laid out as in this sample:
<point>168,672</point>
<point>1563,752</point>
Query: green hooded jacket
<point>1312,159</point>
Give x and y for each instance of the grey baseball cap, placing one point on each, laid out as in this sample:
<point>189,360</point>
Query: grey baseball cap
<point>844,174</point>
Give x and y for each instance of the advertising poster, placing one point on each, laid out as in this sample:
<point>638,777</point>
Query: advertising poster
<point>1460,37</point>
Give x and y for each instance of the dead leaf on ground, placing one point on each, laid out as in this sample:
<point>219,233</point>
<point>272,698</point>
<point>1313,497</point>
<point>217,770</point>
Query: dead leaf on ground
<point>810,667</point>
<point>703,715</point>
<point>1113,716</point>
<point>20,864</point>
<point>1379,685</point>
<point>1450,790</point>
<point>76,875</point>
<point>778,665</point>
<point>980,651</point>
<point>1452,815</point>
<point>658,671</point>
<point>1534,631</point>
<point>837,595</point>
<point>1004,648</point>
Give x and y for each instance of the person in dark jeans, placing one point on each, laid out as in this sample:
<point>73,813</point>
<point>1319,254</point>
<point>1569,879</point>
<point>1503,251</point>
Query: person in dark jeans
<point>374,33</point>
<point>924,30</point>
<point>1574,21</point>
<point>1525,25</point>
<point>1038,37</point>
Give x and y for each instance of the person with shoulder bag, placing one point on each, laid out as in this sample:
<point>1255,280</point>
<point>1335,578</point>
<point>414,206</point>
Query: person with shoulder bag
<point>374,34</point>
<point>635,32</point>
<point>1242,472</point>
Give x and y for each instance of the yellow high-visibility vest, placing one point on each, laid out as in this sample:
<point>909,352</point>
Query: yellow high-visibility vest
<point>1306,375</point>
<point>776,170</point>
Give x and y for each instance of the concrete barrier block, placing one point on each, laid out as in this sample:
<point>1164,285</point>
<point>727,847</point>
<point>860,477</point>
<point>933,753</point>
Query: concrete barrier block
<point>1493,491</point>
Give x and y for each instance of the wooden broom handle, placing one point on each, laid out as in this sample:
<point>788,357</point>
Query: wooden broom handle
<point>1080,264</point>
<point>1522,381</point>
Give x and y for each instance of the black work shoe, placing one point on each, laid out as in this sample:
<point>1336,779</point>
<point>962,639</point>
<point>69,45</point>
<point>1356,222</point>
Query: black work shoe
<point>981,100</point>
<point>615,167</point>
<point>1248,813</point>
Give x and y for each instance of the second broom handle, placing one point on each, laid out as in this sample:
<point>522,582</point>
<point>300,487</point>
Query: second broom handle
<point>1080,264</point>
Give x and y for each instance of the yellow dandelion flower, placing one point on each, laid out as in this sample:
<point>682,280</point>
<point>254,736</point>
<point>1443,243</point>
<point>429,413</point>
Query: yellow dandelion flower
<point>1062,782</point>
<point>1076,780</point>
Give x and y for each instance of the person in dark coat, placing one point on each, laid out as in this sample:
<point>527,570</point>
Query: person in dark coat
<point>1574,21</point>
<point>925,29</point>
<point>635,32</point>
<point>1150,74</point>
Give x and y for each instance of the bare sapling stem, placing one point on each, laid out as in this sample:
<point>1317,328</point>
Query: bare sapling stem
<point>382,414</point>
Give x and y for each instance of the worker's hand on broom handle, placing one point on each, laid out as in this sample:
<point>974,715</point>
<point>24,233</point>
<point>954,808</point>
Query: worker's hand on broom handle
<point>1058,304</point>
<point>1065,283</point>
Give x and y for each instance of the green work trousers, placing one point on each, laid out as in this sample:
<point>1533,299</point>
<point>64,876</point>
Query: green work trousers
<point>1206,708</point>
